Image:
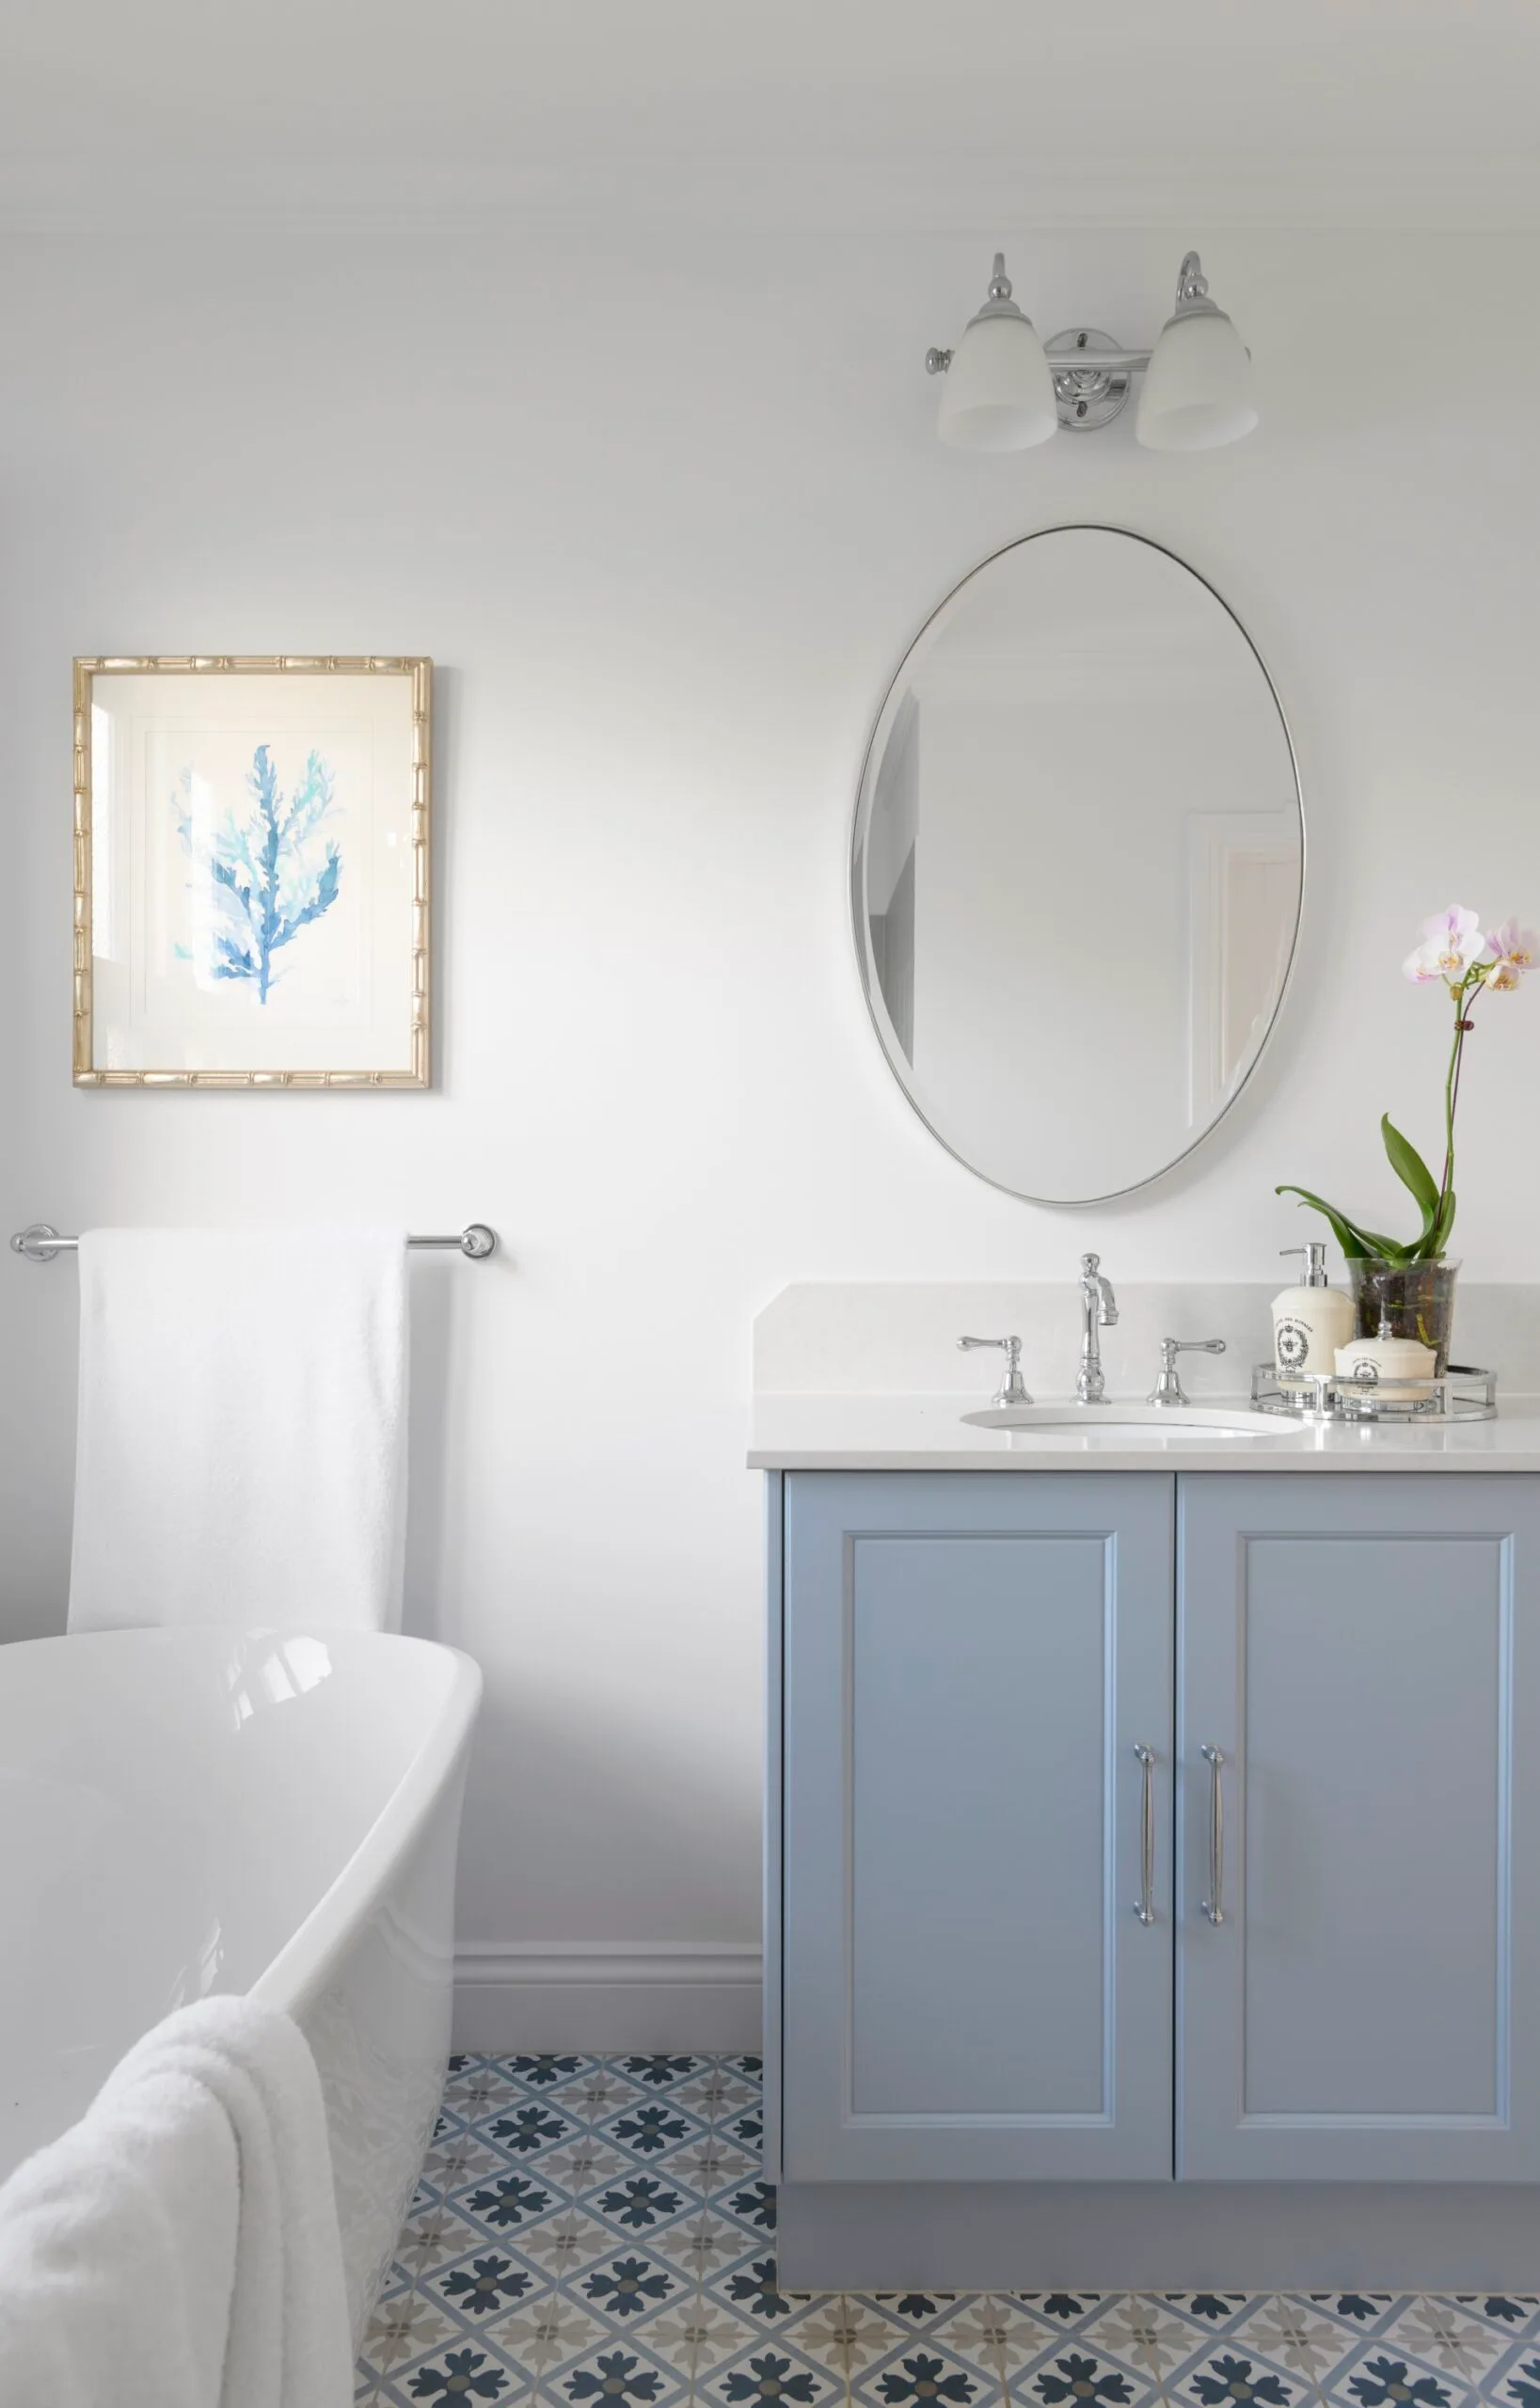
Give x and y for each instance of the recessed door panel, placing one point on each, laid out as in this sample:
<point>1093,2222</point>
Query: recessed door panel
<point>971,1663</point>
<point>1354,1649</point>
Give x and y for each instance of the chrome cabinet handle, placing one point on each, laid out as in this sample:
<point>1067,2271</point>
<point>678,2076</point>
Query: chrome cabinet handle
<point>1146,1907</point>
<point>1214,1905</point>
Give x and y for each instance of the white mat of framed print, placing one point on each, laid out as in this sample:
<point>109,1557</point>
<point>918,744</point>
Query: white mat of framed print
<point>251,872</point>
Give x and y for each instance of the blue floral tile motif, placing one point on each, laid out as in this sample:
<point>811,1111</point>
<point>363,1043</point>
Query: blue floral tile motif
<point>628,2286</point>
<point>528,2128</point>
<point>1230,2376</point>
<point>1363,2308</point>
<point>1076,2376</point>
<point>1213,2309</point>
<point>1387,2382</point>
<point>756,2205</point>
<point>508,2201</point>
<point>752,2288</point>
<point>483,2286</point>
<point>616,2378</point>
<point>768,2378</point>
<point>925,2377</point>
<point>540,2073</point>
<point>596,2232</point>
<point>640,2201</point>
<point>660,2073</point>
<point>648,2129</point>
<point>767,2372</point>
<point>460,2374</point>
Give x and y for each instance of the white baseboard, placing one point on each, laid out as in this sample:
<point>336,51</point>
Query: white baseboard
<point>604,1997</point>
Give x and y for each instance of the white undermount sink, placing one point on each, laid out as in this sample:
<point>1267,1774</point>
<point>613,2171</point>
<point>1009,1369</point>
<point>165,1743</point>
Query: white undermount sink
<point>1132,1424</point>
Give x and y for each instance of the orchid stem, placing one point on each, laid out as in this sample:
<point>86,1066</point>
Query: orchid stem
<point>1452,1092</point>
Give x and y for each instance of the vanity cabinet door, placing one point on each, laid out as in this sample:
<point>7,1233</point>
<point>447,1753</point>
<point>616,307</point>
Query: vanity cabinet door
<point>971,1662</point>
<point>1364,1651</point>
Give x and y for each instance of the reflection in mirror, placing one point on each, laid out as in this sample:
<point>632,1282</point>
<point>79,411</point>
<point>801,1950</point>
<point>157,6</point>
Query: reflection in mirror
<point>1077,866</point>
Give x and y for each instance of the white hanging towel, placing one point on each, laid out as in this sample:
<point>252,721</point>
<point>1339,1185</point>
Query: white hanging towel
<point>241,1455</point>
<point>179,2247</point>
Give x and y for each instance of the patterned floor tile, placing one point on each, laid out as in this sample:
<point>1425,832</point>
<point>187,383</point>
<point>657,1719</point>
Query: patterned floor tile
<point>1445,2336</point>
<point>750,2289</point>
<point>1076,2373</point>
<point>627,2284</point>
<point>479,2288</point>
<point>634,2202</point>
<point>1361,2312</point>
<point>596,2233</point>
<point>651,2127</point>
<point>1145,2335</point>
<point>1226,2371</point>
<point>619,2374</point>
<point>1517,2385</point>
<point>1379,2376</point>
<point>845,2335</point>
<point>769,2373</point>
<point>1291,2332</point>
<point>704,2243</point>
<point>1510,2312</point>
<point>924,2373</point>
<point>995,2334</point>
<point>700,2336</point>
<point>505,2203</point>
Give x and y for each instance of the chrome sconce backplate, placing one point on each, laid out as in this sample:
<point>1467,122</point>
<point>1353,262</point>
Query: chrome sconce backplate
<point>1087,396</point>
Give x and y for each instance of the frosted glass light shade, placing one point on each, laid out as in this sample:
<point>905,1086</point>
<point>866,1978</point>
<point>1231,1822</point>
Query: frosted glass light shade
<point>998,393</point>
<point>1198,388</point>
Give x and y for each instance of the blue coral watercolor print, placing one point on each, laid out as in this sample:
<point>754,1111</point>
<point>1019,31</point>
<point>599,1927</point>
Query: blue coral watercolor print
<point>258,877</point>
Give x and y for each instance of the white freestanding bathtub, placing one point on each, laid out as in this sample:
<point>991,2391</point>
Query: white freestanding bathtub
<point>186,1811</point>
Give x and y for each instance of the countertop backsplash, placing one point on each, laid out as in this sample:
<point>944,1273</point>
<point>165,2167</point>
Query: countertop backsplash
<point>891,1337</point>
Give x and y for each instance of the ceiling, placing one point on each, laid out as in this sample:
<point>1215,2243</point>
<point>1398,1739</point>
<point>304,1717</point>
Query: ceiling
<point>901,112</point>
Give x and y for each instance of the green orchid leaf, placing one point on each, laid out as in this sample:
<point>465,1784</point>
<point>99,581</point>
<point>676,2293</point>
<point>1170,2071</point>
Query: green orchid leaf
<point>1414,1175</point>
<point>1351,1239</point>
<point>1435,1246</point>
<point>1356,1243</point>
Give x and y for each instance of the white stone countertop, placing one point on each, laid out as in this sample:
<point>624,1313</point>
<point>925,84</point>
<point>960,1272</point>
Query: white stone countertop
<point>827,1433</point>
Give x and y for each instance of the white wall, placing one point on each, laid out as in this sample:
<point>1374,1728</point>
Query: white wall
<point>667,515</point>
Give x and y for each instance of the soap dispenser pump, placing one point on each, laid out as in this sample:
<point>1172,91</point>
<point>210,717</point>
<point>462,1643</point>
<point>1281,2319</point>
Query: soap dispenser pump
<point>1311,1321</point>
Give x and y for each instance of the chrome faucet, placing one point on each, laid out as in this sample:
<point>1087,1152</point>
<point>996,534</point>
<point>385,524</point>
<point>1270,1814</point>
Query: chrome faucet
<point>1099,1312</point>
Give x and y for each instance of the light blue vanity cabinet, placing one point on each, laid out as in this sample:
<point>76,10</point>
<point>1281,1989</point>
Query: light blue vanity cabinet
<point>1335,1831</point>
<point>1364,1651</point>
<point>970,1664</point>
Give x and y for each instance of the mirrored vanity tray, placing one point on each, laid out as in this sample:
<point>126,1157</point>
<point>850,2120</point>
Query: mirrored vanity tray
<point>1461,1395</point>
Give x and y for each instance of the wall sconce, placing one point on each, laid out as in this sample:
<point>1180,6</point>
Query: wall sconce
<point>1006,390</point>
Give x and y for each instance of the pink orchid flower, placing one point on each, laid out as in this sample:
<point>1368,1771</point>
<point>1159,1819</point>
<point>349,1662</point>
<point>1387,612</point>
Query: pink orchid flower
<point>1453,943</point>
<point>1516,950</point>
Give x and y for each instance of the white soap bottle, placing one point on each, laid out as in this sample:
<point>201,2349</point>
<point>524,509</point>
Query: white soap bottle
<point>1311,1321</point>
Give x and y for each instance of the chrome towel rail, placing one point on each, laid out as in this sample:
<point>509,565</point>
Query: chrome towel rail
<point>39,1243</point>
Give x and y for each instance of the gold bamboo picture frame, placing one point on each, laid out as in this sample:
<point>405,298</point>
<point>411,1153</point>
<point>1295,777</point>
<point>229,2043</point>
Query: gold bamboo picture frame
<point>252,857</point>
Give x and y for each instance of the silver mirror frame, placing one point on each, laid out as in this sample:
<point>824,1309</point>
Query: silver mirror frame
<point>861,815</point>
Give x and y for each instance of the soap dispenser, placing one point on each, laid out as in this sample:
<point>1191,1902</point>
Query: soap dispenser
<point>1311,1321</point>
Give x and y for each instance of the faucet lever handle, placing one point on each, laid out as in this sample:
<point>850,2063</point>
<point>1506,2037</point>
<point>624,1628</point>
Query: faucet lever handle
<point>1012,1388</point>
<point>1169,1388</point>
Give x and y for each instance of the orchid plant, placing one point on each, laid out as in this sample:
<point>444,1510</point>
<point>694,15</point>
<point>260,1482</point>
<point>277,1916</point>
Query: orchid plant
<point>1454,954</point>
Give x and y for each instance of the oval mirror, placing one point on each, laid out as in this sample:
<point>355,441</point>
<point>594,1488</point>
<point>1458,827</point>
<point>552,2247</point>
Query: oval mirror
<point>1077,865</point>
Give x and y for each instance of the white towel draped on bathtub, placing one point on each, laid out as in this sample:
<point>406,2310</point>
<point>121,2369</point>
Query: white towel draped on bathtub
<point>241,1455</point>
<point>178,2247</point>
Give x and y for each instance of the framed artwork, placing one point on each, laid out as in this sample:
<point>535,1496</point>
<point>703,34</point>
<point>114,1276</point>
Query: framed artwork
<point>251,855</point>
